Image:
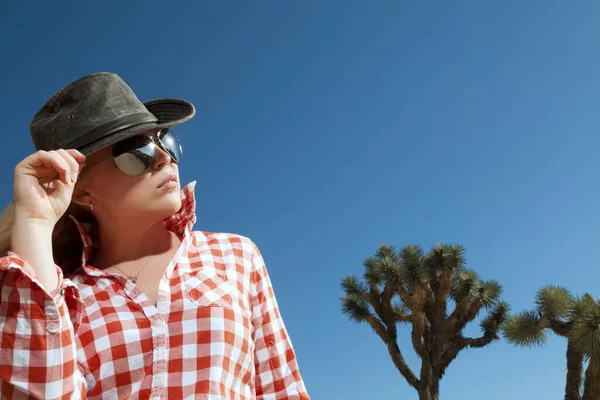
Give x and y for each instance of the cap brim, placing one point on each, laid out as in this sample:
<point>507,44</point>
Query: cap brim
<point>168,112</point>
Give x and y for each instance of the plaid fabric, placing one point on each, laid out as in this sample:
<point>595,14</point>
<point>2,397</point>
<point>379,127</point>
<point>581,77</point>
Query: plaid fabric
<point>214,333</point>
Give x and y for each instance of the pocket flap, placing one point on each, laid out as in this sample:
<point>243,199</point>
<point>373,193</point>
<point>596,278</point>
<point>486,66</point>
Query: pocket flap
<point>206,287</point>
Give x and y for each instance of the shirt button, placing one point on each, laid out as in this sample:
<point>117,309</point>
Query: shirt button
<point>52,327</point>
<point>62,291</point>
<point>157,323</point>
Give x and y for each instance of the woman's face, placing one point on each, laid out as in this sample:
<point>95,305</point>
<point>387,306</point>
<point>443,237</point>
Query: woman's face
<point>117,195</point>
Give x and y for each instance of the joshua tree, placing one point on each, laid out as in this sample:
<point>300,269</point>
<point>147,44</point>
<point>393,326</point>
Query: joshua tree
<point>577,320</point>
<point>413,288</point>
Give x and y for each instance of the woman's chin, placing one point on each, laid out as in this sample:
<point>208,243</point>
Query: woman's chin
<point>157,208</point>
<point>168,207</point>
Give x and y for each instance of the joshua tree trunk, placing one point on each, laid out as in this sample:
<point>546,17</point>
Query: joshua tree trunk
<point>430,393</point>
<point>424,394</point>
<point>435,391</point>
<point>591,389</point>
<point>574,373</point>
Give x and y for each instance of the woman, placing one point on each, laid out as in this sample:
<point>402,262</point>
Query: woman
<point>150,309</point>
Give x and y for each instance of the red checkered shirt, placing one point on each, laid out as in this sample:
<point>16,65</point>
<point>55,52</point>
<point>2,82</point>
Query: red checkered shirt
<point>214,333</point>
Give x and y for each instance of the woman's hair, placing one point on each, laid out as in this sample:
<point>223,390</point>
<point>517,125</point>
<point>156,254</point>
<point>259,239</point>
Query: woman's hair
<point>67,246</point>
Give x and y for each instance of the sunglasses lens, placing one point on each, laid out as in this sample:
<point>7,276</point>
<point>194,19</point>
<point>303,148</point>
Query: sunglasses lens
<point>133,156</point>
<point>171,144</point>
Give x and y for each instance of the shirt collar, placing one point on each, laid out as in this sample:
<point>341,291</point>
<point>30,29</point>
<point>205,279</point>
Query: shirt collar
<point>180,223</point>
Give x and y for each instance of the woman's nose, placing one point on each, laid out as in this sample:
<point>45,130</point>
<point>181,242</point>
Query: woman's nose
<point>161,158</point>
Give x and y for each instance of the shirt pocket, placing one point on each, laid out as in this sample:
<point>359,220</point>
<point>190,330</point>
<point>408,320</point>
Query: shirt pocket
<point>206,287</point>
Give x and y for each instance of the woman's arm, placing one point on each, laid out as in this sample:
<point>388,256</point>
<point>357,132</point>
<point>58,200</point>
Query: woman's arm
<point>38,356</point>
<point>39,311</point>
<point>276,367</point>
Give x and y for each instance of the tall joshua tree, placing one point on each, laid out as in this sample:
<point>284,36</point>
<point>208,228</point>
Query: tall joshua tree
<point>577,320</point>
<point>413,288</point>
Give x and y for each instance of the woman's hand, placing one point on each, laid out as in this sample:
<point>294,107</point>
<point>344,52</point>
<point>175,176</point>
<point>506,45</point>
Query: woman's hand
<point>44,183</point>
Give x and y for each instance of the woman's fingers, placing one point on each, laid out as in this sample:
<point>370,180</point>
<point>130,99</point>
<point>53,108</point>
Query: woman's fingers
<point>73,164</point>
<point>65,162</point>
<point>80,158</point>
<point>54,160</point>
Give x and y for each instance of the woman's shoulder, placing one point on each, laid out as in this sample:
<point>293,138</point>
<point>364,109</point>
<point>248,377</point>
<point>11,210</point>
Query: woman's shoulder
<point>225,242</point>
<point>232,253</point>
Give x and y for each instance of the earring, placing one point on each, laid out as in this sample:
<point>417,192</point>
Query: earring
<point>91,206</point>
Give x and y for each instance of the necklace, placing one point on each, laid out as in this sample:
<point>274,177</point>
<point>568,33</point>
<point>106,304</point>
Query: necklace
<point>134,278</point>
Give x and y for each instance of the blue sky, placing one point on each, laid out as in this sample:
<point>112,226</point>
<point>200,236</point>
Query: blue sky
<point>326,128</point>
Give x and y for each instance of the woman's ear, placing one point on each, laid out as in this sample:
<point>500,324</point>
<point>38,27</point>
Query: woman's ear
<point>81,196</point>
